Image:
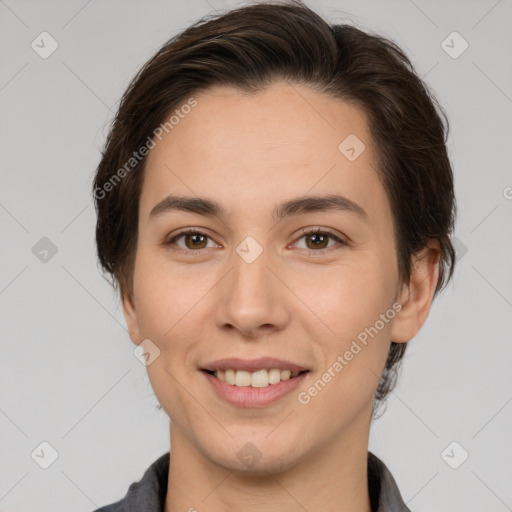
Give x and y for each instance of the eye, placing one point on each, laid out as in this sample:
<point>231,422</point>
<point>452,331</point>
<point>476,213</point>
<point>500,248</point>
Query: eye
<point>319,238</point>
<point>194,240</point>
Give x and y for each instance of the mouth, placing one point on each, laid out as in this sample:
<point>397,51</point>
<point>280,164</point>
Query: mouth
<point>258,379</point>
<point>253,383</point>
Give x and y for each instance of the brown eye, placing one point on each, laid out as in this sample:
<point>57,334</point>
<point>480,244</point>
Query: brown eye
<point>193,240</point>
<point>316,239</point>
<point>196,240</point>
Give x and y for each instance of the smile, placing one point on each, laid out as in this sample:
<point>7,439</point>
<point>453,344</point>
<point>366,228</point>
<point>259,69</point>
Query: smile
<point>246,394</point>
<point>258,379</point>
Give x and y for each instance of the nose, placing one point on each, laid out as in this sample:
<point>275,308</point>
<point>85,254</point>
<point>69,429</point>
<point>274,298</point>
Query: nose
<point>254,300</point>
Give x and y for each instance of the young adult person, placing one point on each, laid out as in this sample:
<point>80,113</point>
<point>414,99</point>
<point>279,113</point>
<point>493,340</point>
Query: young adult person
<point>275,203</point>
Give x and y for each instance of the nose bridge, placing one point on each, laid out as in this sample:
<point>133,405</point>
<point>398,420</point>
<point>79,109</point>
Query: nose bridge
<point>250,280</point>
<point>250,269</point>
<point>253,296</point>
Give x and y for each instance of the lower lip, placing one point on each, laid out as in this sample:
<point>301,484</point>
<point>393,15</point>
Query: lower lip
<point>248,396</point>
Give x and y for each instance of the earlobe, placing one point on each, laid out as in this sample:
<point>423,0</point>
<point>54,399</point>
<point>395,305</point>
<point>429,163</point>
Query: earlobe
<point>130,316</point>
<point>416,296</point>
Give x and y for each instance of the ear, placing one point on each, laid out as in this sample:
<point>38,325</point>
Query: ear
<point>130,316</point>
<point>417,295</point>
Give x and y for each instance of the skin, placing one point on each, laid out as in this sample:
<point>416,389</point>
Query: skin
<point>296,302</point>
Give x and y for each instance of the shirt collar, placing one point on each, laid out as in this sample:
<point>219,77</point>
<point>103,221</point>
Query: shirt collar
<point>148,494</point>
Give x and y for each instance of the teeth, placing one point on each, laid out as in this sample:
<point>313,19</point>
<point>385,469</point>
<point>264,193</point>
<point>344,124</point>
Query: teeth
<point>285,374</point>
<point>274,376</point>
<point>243,379</point>
<point>259,379</point>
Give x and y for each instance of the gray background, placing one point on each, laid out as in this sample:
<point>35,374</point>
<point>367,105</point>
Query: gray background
<point>68,373</point>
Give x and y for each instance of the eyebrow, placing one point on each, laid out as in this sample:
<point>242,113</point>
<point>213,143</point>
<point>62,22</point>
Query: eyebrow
<point>296,206</point>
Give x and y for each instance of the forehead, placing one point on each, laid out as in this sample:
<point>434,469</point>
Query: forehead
<point>259,148</point>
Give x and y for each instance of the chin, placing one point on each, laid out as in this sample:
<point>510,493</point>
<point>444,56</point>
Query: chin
<point>263,467</point>
<point>256,456</point>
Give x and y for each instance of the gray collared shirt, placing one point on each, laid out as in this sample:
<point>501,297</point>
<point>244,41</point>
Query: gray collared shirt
<point>148,494</point>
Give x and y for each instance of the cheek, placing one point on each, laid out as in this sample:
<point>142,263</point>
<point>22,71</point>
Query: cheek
<point>165,304</point>
<point>165,297</point>
<point>355,302</point>
<point>352,296</point>
<point>354,356</point>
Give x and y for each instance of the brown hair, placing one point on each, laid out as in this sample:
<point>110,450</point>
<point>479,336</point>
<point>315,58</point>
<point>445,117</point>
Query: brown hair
<point>250,47</point>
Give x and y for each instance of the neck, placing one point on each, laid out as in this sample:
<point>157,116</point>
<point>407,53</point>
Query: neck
<point>333,479</point>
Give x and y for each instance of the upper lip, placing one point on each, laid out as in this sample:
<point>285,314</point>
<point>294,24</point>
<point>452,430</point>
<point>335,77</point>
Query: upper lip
<point>253,365</point>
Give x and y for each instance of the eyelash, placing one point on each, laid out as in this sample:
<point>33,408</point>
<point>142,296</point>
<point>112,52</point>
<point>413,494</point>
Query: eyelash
<point>304,233</point>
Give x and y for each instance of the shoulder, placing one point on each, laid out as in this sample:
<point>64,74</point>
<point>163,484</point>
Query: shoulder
<point>384,493</point>
<point>147,494</point>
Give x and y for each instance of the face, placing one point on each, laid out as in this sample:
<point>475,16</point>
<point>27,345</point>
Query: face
<point>268,280</point>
